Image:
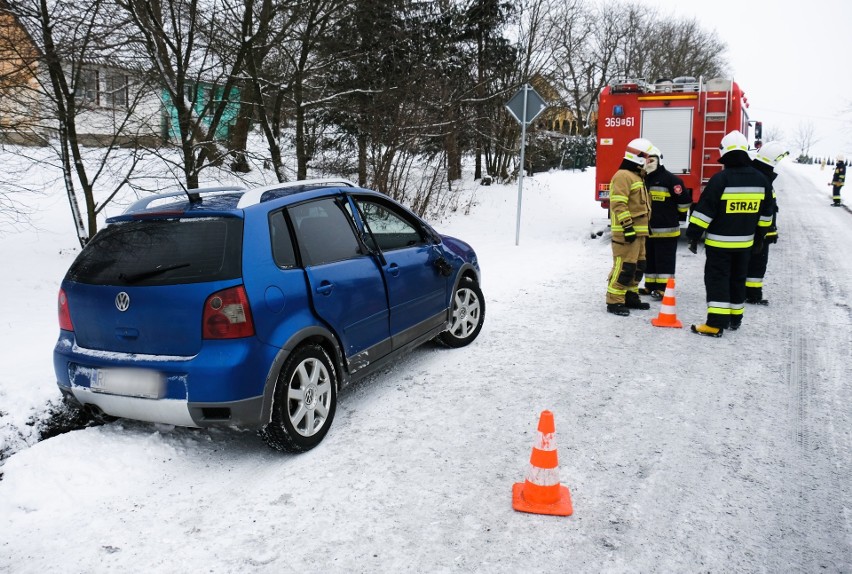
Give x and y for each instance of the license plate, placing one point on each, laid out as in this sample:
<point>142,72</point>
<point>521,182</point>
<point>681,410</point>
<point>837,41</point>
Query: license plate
<point>129,382</point>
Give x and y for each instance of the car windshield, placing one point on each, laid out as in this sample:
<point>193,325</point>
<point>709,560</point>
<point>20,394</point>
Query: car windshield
<point>162,252</point>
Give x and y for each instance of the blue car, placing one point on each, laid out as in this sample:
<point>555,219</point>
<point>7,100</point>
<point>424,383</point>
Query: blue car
<point>252,308</point>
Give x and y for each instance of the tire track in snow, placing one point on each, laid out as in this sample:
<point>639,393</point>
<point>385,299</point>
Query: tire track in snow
<point>811,275</point>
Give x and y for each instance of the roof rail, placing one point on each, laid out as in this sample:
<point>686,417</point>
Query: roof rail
<point>145,202</point>
<point>254,196</point>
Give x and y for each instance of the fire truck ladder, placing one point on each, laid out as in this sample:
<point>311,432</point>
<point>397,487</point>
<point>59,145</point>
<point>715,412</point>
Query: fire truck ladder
<point>716,109</point>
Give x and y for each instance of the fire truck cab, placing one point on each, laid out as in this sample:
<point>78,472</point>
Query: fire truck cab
<point>685,118</point>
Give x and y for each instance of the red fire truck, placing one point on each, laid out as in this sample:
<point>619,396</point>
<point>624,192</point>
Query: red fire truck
<point>685,118</point>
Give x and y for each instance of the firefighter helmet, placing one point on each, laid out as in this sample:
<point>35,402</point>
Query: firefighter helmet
<point>840,158</point>
<point>771,153</point>
<point>637,150</point>
<point>734,141</point>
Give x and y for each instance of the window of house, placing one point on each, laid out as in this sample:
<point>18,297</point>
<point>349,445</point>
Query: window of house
<point>88,89</point>
<point>115,90</point>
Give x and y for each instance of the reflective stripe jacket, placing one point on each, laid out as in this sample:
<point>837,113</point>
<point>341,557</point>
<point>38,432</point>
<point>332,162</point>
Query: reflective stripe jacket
<point>736,204</point>
<point>628,204</point>
<point>839,174</point>
<point>769,173</point>
<point>669,200</point>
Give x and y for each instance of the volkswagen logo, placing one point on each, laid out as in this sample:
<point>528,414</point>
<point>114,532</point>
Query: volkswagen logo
<point>122,301</point>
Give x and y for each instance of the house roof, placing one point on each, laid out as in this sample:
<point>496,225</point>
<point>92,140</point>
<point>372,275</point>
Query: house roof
<point>95,33</point>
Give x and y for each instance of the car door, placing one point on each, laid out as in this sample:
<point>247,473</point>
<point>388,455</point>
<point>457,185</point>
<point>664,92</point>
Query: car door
<point>347,289</point>
<point>417,291</point>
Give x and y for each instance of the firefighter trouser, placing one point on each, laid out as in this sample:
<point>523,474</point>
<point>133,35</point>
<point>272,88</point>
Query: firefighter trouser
<point>661,254</point>
<point>724,279</point>
<point>756,272</point>
<point>628,266</point>
<point>835,195</point>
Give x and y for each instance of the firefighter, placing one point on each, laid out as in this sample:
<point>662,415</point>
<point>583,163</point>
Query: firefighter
<point>629,210</point>
<point>838,180</point>
<point>669,206</point>
<point>734,211</point>
<point>765,161</point>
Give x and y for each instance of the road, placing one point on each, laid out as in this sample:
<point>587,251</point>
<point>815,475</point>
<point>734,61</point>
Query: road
<point>682,453</point>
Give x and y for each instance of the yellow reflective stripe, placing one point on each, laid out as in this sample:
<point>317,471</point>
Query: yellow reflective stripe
<point>640,228</point>
<point>616,271</point>
<point>718,311</point>
<point>618,198</point>
<point>729,244</point>
<point>742,196</point>
<point>664,234</point>
<point>765,223</point>
<point>660,195</point>
<point>683,208</point>
<point>699,222</point>
<point>636,185</point>
<point>754,283</point>
<point>623,215</point>
<point>738,311</point>
<point>731,147</point>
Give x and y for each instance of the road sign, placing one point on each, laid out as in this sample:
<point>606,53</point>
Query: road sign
<point>526,105</point>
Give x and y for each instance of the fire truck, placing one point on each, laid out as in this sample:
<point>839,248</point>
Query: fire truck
<point>685,118</point>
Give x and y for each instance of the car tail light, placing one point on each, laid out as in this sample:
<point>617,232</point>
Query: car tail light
<point>64,313</point>
<point>227,315</point>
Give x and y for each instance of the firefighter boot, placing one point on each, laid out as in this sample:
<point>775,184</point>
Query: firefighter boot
<point>757,301</point>
<point>617,309</point>
<point>707,330</point>
<point>736,322</point>
<point>632,301</point>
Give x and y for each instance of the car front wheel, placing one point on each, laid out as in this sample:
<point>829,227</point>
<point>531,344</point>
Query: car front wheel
<point>305,401</point>
<point>467,315</point>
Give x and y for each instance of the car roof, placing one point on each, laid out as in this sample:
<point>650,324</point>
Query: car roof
<point>224,198</point>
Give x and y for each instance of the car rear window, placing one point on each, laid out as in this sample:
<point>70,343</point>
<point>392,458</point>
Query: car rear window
<point>162,252</point>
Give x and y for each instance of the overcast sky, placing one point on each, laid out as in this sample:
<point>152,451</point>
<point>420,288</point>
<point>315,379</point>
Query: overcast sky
<point>793,59</point>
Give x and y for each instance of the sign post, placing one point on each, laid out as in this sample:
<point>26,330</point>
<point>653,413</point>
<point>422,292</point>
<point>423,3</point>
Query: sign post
<point>525,106</point>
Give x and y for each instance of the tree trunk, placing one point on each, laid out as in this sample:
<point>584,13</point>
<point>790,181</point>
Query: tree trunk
<point>362,160</point>
<point>239,135</point>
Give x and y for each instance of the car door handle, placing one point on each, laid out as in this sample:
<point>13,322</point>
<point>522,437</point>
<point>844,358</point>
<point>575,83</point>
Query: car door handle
<point>393,269</point>
<point>325,288</point>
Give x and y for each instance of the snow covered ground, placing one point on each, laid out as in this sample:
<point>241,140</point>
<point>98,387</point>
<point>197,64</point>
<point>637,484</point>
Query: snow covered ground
<point>682,453</point>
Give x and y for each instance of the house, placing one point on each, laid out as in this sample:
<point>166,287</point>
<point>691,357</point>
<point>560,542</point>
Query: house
<point>117,100</point>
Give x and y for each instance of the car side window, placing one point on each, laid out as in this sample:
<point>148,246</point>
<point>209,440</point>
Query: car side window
<point>282,243</point>
<point>390,229</point>
<point>324,232</point>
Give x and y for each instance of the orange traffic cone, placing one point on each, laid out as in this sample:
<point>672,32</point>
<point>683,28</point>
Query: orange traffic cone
<point>668,315</point>
<point>541,492</point>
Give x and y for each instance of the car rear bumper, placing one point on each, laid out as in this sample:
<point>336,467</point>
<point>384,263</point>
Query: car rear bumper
<point>222,385</point>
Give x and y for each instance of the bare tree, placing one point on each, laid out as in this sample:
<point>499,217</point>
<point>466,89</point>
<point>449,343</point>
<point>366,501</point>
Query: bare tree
<point>200,84</point>
<point>805,138</point>
<point>69,45</point>
<point>683,48</point>
<point>577,69</point>
<point>772,133</point>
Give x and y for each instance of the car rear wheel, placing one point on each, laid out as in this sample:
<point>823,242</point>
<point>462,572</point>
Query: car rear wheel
<point>467,316</point>
<point>305,401</point>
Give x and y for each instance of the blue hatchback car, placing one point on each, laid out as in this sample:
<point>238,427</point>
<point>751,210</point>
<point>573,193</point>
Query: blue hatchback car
<point>252,308</point>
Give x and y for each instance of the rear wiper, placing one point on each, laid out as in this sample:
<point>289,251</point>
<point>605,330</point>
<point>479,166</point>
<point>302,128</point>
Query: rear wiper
<point>158,270</point>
